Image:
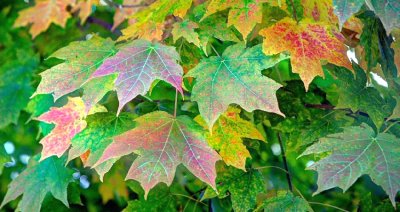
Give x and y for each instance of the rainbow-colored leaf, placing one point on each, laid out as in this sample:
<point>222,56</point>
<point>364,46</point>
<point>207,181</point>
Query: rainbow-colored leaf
<point>44,13</point>
<point>226,137</point>
<point>235,77</point>
<point>163,142</point>
<point>308,44</point>
<point>355,152</point>
<point>139,63</point>
<point>68,122</point>
<point>81,60</point>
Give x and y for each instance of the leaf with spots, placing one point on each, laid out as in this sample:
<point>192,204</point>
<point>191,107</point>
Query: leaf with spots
<point>38,179</point>
<point>68,122</point>
<point>344,9</point>
<point>354,152</point>
<point>309,44</point>
<point>286,202</point>
<point>81,58</point>
<point>138,64</point>
<point>44,13</point>
<point>163,142</point>
<point>319,10</point>
<point>94,139</point>
<point>235,77</point>
<point>226,137</point>
<point>242,187</point>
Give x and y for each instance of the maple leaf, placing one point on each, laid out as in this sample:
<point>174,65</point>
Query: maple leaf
<point>226,137</point>
<point>68,122</point>
<point>123,13</point>
<point>163,142</point>
<point>185,29</point>
<point>149,22</point>
<point>85,8</point>
<point>243,187</point>
<point>355,152</point>
<point>344,9</point>
<point>388,11</point>
<point>43,14</point>
<point>235,77</point>
<point>308,43</point>
<point>287,202</point>
<point>81,60</point>
<point>244,15</point>
<point>139,63</point>
<point>38,179</point>
<point>94,139</point>
<point>159,199</point>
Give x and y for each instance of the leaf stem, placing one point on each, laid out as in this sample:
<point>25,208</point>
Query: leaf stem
<point>328,205</point>
<point>189,197</point>
<point>176,102</point>
<point>288,176</point>
<point>215,50</point>
<point>266,167</point>
<point>390,126</point>
<point>294,11</point>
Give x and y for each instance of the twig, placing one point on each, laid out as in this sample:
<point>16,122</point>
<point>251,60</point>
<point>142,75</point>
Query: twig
<point>176,102</point>
<point>189,197</point>
<point>288,177</point>
<point>266,167</point>
<point>390,126</point>
<point>215,50</point>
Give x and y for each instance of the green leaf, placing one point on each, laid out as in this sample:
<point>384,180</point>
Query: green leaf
<point>37,180</point>
<point>159,199</point>
<point>286,202</point>
<point>100,130</point>
<point>243,187</point>
<point>185,29</point>
<point>81,58</point>
<point>355,152</point>
<point>235,77</point>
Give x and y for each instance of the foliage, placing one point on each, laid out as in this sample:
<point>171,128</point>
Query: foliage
<point>214,105</point>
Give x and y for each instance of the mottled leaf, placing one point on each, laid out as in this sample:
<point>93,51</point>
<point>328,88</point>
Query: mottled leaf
<point>235,77</point>
<point>68,122</point>
<point>38,179</point>
<point>139,63</point>
<point>226,137</point>
<point>44,13</point>
<point>286,202</point>
<point>243,187</point>
<point>81,58</point>
<point>319,10</point>
<point>344,9</point>
<point>95,90</point>
<point>101,128</point>
<point>159,199</point>
<point>388,11</point>
<point>355,152</point>
<point>163,142</point>
<point>309,44</point>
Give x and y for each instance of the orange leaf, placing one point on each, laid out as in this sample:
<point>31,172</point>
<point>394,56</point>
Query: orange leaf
<point>43,14</point>
<point>308,43</point>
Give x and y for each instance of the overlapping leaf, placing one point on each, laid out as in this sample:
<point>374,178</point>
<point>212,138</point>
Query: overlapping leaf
<point>44,13</point>
<point>38,179</point>
<point>286,202</point>
<point>226,137</point>
<point>235,77</point>
<point>163,142</point>
<point>81,60</point>
<point>319,10</point>
<point>94,139</point>
<point>124,13</point>
<point>68,122</point>
<point>244,15</point>
<point>355,152</point>
<point>185,29</point>
<point>388,11</point>
<point>139,63</point>
<point>308,44</point>
<point>344,9</point>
